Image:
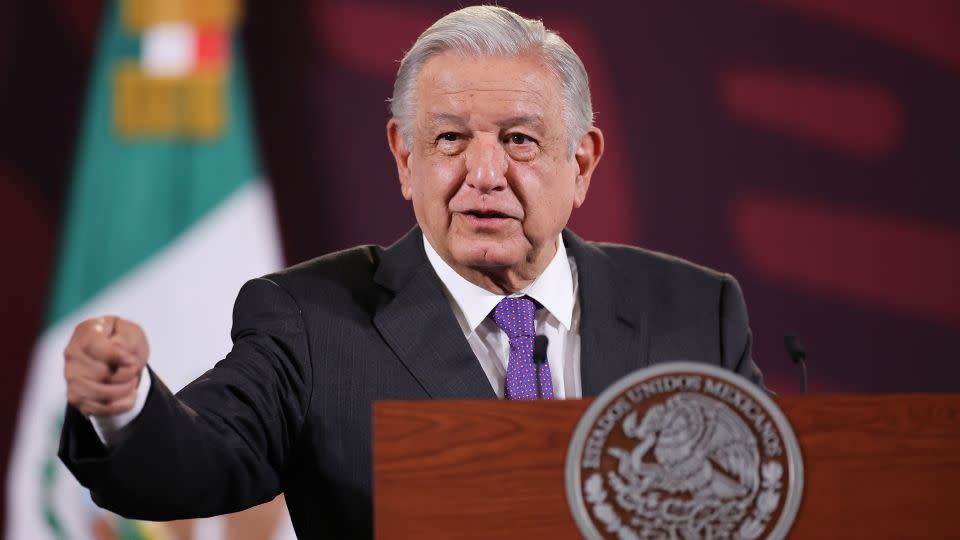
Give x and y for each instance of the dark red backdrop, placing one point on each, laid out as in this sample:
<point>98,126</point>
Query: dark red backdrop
<point>809,147</point>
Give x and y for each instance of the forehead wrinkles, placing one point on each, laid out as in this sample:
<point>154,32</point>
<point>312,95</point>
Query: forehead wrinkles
<point>493,104</point>
<point>470,92</point>
<point>497,94</point>
<point>461,80</point>
<point>491,78</point>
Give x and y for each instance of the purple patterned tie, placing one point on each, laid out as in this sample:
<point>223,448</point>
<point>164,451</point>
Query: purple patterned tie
<point>515,317</point>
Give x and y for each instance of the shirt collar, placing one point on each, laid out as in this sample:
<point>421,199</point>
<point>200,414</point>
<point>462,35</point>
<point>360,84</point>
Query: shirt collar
<point>553,289</point>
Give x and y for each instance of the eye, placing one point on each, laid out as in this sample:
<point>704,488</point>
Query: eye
<point>450,143</point>
<point>521,146</point>
<point>520,138</point>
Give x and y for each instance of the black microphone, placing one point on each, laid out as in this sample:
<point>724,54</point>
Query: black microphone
<point>539,358</point>
<point>799,356</point>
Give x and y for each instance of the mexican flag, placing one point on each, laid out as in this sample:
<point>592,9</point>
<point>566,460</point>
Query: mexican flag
<point>166,218</point>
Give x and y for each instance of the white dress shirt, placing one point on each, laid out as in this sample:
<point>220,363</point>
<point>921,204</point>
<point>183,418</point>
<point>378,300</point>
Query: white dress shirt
<point>559,320</point>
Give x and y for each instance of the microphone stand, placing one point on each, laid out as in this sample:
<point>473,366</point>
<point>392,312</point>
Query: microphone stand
<point>799,356</point>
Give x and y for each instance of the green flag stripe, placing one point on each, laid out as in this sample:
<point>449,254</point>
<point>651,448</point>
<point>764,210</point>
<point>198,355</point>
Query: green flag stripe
<point>131,198</point>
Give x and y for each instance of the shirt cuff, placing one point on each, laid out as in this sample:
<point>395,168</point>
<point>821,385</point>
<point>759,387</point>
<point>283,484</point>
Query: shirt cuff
<point>109,428</point>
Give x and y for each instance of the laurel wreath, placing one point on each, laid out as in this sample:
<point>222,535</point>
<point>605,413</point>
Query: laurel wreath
<point>767,501</point>
<point>751,528</point>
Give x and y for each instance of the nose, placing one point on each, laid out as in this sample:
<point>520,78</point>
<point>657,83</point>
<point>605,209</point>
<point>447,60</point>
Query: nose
<point>486,162</point>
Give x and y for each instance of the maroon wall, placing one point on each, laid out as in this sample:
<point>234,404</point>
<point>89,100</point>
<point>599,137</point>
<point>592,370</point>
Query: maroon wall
<point>809,147</point>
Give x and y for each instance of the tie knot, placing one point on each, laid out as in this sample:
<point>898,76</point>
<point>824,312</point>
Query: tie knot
<point>514,315</point>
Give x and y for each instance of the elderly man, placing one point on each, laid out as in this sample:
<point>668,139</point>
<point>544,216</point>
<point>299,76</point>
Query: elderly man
<point>494,144</point>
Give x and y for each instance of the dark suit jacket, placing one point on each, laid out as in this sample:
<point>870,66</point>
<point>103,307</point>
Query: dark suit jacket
<point>289,408</point>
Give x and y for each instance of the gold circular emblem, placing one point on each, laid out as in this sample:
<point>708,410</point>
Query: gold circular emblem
<point>684,451</point>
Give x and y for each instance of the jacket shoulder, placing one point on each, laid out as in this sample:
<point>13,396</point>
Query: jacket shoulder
<point>639,264</point>
<point>677,290</point>
<point>334,265</point>
<point>338,279</point>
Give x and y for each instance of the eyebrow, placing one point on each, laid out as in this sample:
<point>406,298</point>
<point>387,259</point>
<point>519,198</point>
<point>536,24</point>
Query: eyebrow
<point>439,119</point>
<point>534,121</point>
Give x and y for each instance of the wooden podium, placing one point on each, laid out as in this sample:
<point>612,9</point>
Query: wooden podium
<point>875,467</point>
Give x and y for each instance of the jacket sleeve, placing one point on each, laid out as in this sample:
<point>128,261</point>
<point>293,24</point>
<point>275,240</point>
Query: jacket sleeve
<point>221,444</point>
<point>735,336</point>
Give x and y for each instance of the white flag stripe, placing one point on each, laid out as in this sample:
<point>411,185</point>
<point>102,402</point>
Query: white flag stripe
<point>169,50</point>
<point>183,297</point>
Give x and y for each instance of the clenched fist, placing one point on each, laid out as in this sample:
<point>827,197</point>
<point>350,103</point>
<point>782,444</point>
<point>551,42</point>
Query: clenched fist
<point>103,365</point>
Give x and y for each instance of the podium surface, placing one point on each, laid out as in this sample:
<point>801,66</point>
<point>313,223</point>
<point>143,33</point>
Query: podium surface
<point>876,466</point>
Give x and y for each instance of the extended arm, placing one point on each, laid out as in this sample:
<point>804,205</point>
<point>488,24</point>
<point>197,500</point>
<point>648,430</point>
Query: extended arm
<point>221,444</point>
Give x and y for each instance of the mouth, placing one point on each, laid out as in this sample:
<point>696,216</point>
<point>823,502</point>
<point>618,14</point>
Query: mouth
<point>486,220</point>
<point>486,214</point>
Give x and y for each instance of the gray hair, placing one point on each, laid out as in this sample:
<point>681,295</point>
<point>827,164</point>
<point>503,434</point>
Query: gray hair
<point>495,31</point>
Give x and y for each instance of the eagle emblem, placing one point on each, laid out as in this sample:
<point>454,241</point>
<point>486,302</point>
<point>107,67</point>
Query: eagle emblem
<point>683,456</point>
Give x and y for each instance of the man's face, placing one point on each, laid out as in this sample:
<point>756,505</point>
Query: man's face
<point>490,173</point>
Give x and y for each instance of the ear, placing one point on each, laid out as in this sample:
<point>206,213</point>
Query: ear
<point>587,155</point>
<point>401,154</point>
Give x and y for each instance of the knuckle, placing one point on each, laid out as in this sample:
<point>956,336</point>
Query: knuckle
<point>89,343</point>
<point>85,328</point>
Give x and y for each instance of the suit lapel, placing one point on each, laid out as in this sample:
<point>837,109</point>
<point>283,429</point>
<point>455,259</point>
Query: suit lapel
<point>419,325</point>
<point>613,337</point>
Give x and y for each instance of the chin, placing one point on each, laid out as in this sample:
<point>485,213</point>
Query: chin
<point>487,254</point>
